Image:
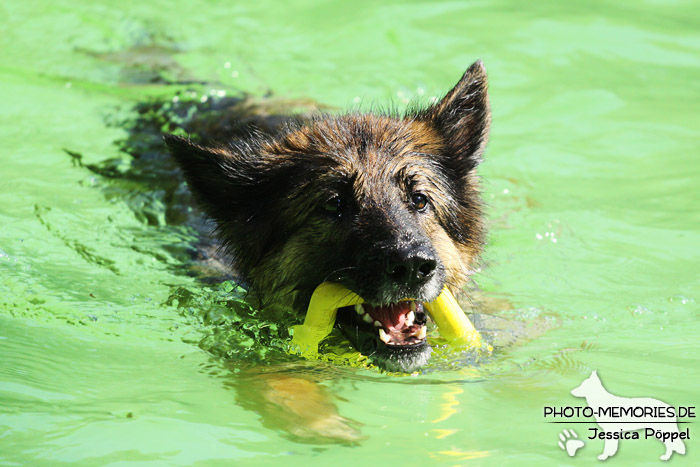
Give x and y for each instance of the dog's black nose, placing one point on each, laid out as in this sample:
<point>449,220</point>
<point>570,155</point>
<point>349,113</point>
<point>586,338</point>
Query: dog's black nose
<point>412,269</point>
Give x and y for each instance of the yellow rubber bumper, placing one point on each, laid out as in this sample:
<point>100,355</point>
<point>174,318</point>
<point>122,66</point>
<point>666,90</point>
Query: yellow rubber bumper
<point>453,324</point>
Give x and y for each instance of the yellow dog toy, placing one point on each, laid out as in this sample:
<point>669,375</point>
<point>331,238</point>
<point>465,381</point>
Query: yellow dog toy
<point>328,297</point>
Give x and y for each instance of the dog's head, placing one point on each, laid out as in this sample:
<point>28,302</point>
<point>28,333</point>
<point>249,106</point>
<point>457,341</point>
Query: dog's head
<point>386,206</point>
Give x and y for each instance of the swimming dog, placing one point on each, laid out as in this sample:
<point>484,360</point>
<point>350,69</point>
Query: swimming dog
<point>384,204</point>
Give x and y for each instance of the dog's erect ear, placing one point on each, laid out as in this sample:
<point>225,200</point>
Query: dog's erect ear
<point>464,117</point>
<point>216,176</point>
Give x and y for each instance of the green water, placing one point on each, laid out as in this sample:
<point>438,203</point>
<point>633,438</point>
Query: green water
<point>591,177</point>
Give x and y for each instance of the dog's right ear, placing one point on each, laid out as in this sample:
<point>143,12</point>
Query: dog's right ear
<point>464,117</point>
<point>216,176</point>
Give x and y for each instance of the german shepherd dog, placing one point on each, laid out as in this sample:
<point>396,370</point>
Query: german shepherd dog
<point>386,205</point>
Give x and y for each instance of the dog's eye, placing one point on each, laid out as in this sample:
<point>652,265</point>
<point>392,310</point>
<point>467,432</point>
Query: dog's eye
<point>419,201</point>
<point>333,205</point>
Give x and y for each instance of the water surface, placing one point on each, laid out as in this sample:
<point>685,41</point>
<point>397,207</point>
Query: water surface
<point>591,179</point>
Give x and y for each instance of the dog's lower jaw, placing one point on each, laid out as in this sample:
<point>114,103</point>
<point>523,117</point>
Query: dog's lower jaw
<point>403,360</point>
<point>392,336</point>
<point>400,359</point>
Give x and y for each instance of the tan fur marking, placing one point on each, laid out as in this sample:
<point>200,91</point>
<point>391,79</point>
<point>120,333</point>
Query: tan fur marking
<point>456,258</point>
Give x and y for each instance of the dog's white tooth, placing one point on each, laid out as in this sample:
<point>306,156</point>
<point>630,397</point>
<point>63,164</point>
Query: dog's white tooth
<point>367,318</point>
<point>359,309</point>
<point>413,306</point>
<point>383,336</point>
<point>423,331</point>
<point>410,316</point>
<point>377,323</point>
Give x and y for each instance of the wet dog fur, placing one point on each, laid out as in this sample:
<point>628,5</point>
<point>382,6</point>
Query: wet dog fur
<point>386,205</point>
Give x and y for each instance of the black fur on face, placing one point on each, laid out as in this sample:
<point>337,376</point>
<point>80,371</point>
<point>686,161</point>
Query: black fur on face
<point>387,206</point>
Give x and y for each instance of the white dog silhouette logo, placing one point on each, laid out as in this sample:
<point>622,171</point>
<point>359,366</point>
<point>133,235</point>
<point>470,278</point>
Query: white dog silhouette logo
<point>607,409</point>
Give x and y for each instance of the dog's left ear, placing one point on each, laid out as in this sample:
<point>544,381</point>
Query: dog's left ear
<point>463,116</point>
